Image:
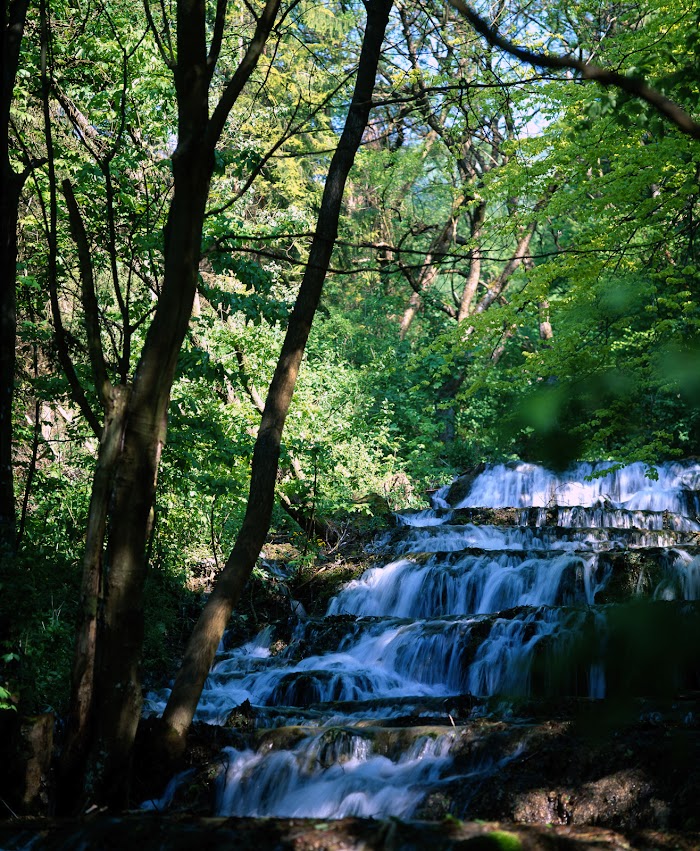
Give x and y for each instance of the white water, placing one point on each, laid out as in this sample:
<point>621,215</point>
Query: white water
<point>457,610</point>
<point>521,485</point>
<point>470,584</point>
<point>348,779</point>
<point>567,536</point>
<point>683,581</point>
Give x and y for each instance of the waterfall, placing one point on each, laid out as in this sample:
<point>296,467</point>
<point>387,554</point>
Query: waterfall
<point>627,487</point>
<point>362,722</point>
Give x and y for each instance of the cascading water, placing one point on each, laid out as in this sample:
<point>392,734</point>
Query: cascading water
<point>363,724</point>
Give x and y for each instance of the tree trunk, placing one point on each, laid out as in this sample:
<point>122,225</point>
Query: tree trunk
<point>430,269</point>
<point>10,187</point>
<point>472,283</point>
<point>212,623</point>
<point>546,332</point>
<point>117,706</point>
<point>80,717</point>
<point>12,22</point>
<point>496,287</point>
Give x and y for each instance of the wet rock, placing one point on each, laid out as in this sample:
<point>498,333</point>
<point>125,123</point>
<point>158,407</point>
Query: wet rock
<point>462,485</point>
<point>498,516</point>
<point>591,769</point>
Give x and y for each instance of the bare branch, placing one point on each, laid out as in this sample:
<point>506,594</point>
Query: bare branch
<point>287,134</point>
<point>52,227</point>
<point>250,388</point>
<point>86,132</point>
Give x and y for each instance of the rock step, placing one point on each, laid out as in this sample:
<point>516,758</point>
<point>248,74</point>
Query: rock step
<point>324,635</point>
<point>460,710</point>
<point>630,762</point>
<point>568,517</point>
<point>457,537</point>
<point>565,651</point>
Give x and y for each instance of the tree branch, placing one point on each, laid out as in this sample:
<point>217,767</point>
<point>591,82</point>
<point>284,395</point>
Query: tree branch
<point>250,388</point>
<point>88,296</point>
<point>217,36</point>
<point>59,331</point>
<point>286,135</point>
<point>242,74</point>
<point>167,55</point>
<point>635,86</point>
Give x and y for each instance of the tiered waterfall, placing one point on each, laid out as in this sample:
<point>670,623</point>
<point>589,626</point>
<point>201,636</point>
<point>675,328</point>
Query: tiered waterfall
<point>504,592</point>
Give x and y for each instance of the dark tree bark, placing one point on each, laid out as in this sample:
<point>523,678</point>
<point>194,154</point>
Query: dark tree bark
<point>10,189</point>
<point>13,18</point>
<point>212,623</point>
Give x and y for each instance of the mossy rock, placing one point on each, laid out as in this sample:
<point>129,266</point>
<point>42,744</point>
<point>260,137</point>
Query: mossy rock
<point>494,840</point>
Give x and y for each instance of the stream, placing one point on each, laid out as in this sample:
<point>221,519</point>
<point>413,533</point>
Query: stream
<point>411,693</point>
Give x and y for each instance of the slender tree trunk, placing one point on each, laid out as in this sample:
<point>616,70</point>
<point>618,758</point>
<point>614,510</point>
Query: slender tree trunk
<point>429,269</point>
<point>212,623</point>
<point>10,187</point>
<point>546,332</point>
<point>497,286</point>
<point>472,283</point>
<point>509,332</point>
<point>14,13</point>
<point>80,717</point>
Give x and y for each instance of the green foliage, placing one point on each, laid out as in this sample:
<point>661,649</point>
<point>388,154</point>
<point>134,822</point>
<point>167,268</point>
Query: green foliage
<point>7,700</point>
<point>38,609</point>
<point>611,190</point>
<point>616,262</point>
